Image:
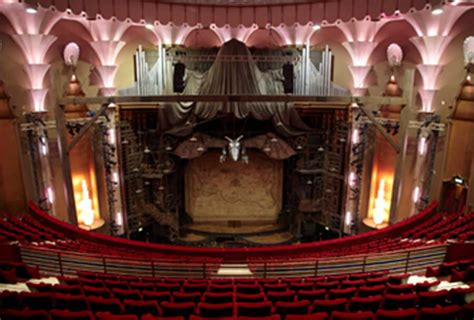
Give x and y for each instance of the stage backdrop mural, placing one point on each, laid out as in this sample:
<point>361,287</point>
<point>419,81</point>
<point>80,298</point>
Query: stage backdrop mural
<point>234,191</point>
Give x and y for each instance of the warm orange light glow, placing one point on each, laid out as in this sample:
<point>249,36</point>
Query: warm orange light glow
<point>85,206</point>
<point>380,204</point>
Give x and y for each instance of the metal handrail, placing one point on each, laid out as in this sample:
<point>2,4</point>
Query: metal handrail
<point>64,262</point>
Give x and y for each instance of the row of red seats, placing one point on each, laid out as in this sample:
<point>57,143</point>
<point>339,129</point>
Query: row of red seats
<point>443,227</point>
<point>12,272</point>
<point>336,309</point>
<point>461,270</point>
<point>434,219</point>
<point>375,246</point>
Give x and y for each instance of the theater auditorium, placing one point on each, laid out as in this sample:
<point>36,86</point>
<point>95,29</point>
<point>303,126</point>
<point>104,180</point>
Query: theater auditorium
<point>236,159</point>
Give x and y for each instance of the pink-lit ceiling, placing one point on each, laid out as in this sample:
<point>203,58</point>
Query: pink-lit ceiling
<point>235,12</point>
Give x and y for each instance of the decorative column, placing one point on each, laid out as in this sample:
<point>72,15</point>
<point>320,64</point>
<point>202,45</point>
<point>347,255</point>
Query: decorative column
<point>360,44</point>
<point>434,34</point>
<point>32,34</point>
<point>107,43</point>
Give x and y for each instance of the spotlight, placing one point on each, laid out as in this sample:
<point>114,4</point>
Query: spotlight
<point>31,9</point>
<point>438,10</point>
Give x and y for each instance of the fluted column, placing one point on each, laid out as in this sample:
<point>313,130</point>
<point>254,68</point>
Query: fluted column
<point>434,34</point>
<point>360,44</point>
<point>107,43</point>
<point>32,35</point>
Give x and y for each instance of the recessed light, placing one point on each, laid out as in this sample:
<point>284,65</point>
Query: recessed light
<point>31,10</point>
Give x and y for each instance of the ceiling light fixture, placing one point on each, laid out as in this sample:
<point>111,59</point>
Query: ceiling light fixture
<point>31,9</point>
<point>149,26</point>
<point>438,10</point>
<point>316,27</point>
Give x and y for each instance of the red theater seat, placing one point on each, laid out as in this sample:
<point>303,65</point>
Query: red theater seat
<point>195,317</point>
<point>214,297</point>
<point>9,299</point>
<point>275,287</point>
<point>371,303</point>
<point>254,309</point>
<point>216,310</point>
<point>123,294</point>
<point>314,316</point>
<point>275,296</point>
<point>468,311</point>
<point>9,314</point>
<point>99,304</point>
<point>116,284</point>
<point>342,315</point>
<point>194,287</point>
<point>431,299</point>
<point>142,286</point>
<point>71,315</point>
<point>407,314</point>
<point>110,316</point>
<point>366,291</point>
<point>312,295</point>
<point>400,288</point>
<point>327,285</point>
<point>167,287</point>
<point>221,288</point>
<point>342,293</point>
<point>377,281</point>
<point>91,282</point>
<point>458,295</point>
<point>425,286</point>
<point>251,297</point>
<point>352,283</point>
<point>8,276</point>
<point>399,301</point>
<point>37,300</point>
<point>97,292</point>
<point>40,287</point>
<point>150,317</point>
<point>329,305</point>
<point>70,302</point>
<point>141,308</point>
<point>248,288</point>
<point>272,317</point>
<point>187,297</point>
<point>286,308</point>
<point>67,289</point>
<point>156,296</point>
<point>397,279</point>
<point>440,313</point>
<point>173,309</point>
<point>297,286</point>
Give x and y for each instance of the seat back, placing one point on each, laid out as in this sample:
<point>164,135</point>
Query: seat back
<point>254,309</point>
<point>141,308</point>
<point>406,314</point>
<point>10,314</point>
<point>214,297</point>
<point>300,307</point>
<point>70,302</point>
<point>216,310</point>
<point>37,300</point>
<point>440,313</point>
<point>344,315</point>
<point>173,309</point>
<point>71,315</point>
<point>365,303</point>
